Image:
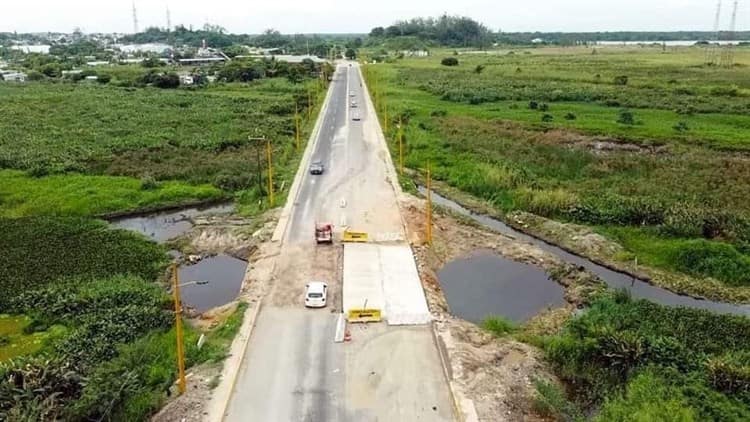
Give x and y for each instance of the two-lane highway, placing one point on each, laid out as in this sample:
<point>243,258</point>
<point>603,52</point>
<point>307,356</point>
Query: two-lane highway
<point>292,369</point>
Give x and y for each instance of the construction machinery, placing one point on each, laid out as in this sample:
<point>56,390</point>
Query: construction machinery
<point>324,233</point>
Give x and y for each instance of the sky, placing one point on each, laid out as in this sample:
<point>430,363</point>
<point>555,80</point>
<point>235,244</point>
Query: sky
<point>357,16</point>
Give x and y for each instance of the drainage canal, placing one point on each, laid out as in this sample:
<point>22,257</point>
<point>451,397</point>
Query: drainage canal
<point>639,289</point>
<point>484,284</point>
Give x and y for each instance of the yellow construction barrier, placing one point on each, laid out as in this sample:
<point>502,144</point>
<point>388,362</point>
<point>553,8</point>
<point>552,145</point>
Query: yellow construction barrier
<point>350,236</point>
<point>364,315</point>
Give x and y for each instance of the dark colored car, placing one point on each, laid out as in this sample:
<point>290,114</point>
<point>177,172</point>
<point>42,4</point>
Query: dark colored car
<point>317,167</point>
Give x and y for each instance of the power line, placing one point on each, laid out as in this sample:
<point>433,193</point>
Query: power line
<point>135,19</point>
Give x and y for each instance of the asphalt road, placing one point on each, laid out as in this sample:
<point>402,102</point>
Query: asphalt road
<point>292,369</point>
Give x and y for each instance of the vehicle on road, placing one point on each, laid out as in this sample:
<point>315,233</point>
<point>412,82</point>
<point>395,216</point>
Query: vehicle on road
<point>354,104</point>
<point>352,94</point>
<point>355,116</point>
<point>323,233</point>
<point>316,293</point>
<point>317,167</point>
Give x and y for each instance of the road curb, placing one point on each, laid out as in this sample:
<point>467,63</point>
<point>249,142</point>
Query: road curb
<point>312,142</point>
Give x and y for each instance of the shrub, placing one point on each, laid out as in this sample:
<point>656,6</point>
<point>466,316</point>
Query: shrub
<point>449,61</point>
<point>621,80</point>
<point>479,69</point>
<point>570,116</point>
<point>547,203</point>
<point>550,402</point>
<point>499,326</point>
<point>547,117</point>
<point>533,105</point>
<point>625,117</point>
<point>714,259</point>
<point>681,127</point>
<point>438,113</point>
<point>721,91</point>
<point>543,107</point>
<point>149,183</point>
<point>648,398</point>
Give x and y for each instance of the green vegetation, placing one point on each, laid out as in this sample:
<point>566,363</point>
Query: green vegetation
<point>499,326</point>
<point>451,31</point>
<point>649,147</point>
<point>642,361</point>
<point>88,335</point>
<point>81,195</point>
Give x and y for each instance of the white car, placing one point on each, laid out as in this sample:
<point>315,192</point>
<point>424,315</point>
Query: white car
<point>352,94</point>
<point>316,293</point>
<point>355,116</point>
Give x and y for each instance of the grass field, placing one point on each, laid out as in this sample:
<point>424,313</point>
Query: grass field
<point>196,137</point>
<point>662,156</point>
<point>85,330</point>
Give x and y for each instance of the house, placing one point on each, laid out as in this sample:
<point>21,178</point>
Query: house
<point>97,63</point>
<point>415,53</point>
<point>537,41</point>
<point>197,61</point>
<point>186,79</point>
<point>13,76</point>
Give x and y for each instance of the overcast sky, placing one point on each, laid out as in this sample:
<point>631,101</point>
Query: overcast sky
<point>340,16</point>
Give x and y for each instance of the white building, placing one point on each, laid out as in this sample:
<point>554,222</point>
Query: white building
<point>42,49</point>
<point>13,76</point>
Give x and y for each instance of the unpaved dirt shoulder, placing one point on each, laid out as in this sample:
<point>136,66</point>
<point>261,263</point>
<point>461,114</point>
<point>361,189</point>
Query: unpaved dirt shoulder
<point>495,375</point>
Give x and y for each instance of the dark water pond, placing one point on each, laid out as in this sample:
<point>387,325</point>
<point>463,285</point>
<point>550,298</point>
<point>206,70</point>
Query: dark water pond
<point>484,284</point>
<point>163,226</point>
<point>638,288</point>
<point>224,275</point>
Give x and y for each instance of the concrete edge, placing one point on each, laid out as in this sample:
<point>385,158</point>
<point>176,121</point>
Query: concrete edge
<point>231,366</point>
<point>443,354</point>
<point>312,142</point>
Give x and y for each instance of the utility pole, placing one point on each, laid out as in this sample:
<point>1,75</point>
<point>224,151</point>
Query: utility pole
<point>258,163</point>
<point>400,147</point>
<point>296,124</point>
<point>309,104</point>
<point>270,173</point>
<point>429,207</point>
<point>181,384</point>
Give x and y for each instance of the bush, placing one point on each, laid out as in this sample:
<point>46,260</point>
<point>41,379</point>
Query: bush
<point>449,61</point>
<point>533,105</point>
<point>543,107</point>
<point>681,127</point>
<point>570,116</point>
<point>499,326</point>
<point>149,183</point>
<point>479,69</point>
<point>626,117</point>
<point>621,80</point>
<point>550,402</point>
<point>547,118</point>
<point>714,259</point>
<point>648,398</point>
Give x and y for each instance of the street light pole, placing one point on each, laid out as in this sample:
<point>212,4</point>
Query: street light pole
<point>296,124</point>
<point>181,384</point>
<point>400,146</point>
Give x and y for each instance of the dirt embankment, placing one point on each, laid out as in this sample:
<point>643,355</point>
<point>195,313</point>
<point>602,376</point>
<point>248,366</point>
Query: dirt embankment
<point>495,374</point>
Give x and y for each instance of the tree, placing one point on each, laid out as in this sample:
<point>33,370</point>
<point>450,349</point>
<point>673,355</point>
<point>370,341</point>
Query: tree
<point>449,61</point>
<point>621,80</point>
<point>377,32</point>
<point>350,54</point>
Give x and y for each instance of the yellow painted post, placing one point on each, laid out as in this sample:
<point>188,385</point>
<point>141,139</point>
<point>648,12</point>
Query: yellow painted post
<point>385,115</point>
<point>296,124</point>
<point>400,147</point>
<point>181,384</point>
<point>309,104</point>
<point>429,206</point>
<point>270,172</point>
